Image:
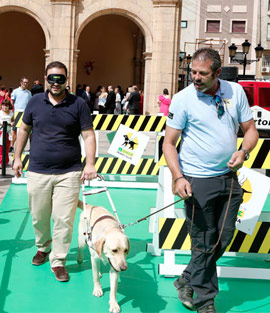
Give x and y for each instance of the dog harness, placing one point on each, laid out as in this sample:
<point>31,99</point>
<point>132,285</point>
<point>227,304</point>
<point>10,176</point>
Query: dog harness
<point>90,229</point>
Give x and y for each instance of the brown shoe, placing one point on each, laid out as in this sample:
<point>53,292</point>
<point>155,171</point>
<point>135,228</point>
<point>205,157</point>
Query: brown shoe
<point>40,258</point>
<point>60,273</point>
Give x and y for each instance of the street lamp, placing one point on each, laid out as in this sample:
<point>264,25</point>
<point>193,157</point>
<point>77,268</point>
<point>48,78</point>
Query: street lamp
<point>245,47</point>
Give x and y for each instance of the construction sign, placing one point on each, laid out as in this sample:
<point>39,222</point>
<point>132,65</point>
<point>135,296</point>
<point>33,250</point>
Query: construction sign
<point>128,144</point>
<point>255,188</point>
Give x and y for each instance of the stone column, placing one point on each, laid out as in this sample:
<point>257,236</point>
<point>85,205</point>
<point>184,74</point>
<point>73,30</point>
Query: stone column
<point>73,74</point>
<point>166,46</point>
<point>147,82</point>
<point>63,20</point>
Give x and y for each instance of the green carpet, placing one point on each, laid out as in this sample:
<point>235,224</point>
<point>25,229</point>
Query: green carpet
<point>27,288</point>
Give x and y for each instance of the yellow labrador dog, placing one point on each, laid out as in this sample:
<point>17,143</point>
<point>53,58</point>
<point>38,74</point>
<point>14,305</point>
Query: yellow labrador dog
<point>110,244</point>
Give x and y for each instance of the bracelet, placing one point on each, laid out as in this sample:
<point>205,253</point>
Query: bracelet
<point>180,177</point>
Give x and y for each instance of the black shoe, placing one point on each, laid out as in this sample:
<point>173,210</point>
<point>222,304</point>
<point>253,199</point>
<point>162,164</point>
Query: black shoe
<point>11,149</point>
<point>207,309</point>
<point>185,293</point>
<point>40,258</point>
<point>60,273</point>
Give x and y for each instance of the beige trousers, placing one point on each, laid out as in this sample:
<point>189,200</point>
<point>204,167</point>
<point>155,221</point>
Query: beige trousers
<point>53,196</point>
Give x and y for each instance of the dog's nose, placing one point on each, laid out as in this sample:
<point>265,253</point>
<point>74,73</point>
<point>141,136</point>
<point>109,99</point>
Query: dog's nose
<point>123,268</point>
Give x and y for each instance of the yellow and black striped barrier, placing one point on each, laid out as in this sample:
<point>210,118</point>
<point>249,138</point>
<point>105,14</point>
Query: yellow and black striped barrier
<point>173,235</point>
<point>259,157</point>
<point>146,123</point>
<point>18,119</point>
<point>111,165</point>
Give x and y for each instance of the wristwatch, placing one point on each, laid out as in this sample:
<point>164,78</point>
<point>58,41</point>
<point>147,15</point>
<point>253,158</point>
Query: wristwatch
<point>246,153</point>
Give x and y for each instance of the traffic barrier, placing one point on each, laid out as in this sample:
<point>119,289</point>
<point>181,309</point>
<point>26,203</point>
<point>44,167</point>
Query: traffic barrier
<point>259,157</point>
<point>146,123</point>
<point>110,165</point>
<point>110,122</point>
<point>173,235</point>
<point>170,237</point>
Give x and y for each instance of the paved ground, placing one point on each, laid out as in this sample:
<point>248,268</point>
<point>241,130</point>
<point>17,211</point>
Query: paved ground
<point>141,289</point>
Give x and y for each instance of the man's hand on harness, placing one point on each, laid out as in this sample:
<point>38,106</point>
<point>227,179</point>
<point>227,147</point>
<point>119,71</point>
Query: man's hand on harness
<point>182,188</point>
<point>89,173</point>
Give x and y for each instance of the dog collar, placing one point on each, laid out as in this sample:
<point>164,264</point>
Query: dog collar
<point>112,265</point>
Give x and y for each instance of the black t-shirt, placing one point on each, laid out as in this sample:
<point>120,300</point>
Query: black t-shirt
<point>55,146</point>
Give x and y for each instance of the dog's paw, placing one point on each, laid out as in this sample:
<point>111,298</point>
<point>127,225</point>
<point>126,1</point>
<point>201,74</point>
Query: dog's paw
<point>114,307</point>
<point>98,292</point>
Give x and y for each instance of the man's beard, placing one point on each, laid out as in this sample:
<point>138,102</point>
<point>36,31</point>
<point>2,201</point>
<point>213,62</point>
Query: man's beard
<point>57,93</point>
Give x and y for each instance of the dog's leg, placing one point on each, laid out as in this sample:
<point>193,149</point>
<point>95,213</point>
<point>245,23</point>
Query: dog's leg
<point>95,260</point>
<point>114,306</point>
<point>81,245</point>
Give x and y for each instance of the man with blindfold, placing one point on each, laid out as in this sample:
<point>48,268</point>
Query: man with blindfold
<point>207,114</point>
<point>56,120</point>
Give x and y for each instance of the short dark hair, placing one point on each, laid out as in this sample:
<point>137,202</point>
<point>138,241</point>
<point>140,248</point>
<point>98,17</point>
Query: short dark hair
<point>165,91</point>
<point>7,102</point>
<point>208,53</point>
<point>23,78</point>
<point>55,64</point>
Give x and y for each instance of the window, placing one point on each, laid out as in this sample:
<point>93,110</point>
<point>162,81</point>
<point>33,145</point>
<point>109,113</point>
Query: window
<point>268,5</point>
<point>266,60</point>
<point>212,26</point>
<point>183,24</point>
<point>238,26</point>
<point>268,32</point>
<point>264,97</point>
<point>250,95</point>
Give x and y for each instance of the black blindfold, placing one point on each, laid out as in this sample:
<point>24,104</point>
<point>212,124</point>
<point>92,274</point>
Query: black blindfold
<point>56,78</point>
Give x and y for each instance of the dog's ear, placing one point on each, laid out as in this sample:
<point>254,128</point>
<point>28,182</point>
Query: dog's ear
<point>128,245</point>
<point>99,246</point>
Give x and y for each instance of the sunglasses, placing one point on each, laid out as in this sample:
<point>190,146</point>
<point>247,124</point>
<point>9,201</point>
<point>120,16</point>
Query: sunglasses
<point>56,78</point>
<point>220,106</point>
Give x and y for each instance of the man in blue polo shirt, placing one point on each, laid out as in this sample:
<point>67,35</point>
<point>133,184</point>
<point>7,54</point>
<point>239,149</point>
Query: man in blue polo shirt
<point>207,114</point>
<point>19,99</point>
<point>56,119</point>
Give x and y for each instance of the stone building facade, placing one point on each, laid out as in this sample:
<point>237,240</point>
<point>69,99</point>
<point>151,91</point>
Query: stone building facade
<point>139,42</point>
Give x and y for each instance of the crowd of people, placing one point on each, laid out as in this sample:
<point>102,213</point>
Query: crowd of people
<point>112,100</point>
<point>104,100</point>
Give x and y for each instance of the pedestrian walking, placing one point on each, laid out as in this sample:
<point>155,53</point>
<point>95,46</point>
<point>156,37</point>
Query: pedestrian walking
<point>56,119</point>
<point>207,114</point>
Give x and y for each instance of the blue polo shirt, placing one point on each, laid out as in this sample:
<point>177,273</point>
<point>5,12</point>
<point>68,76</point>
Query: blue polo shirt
<point>21,98</point>
<point>55,146</point>
<point>207,142</point>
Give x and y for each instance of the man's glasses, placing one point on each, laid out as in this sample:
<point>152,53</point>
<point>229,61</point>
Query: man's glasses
<point>220,106</point>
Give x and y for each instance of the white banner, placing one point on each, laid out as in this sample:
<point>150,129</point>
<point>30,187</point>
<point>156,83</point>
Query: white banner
<point>128,144</point>
<point>256,187</point>
<point>261,117</point>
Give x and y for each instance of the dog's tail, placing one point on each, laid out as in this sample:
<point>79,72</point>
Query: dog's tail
<point>80,204</point>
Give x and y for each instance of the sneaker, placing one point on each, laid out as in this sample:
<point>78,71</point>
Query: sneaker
<point>207,309</point>
<point>11,149</point>
<point>40,258</point>
<point>185,293</point>
<point>60,273</point>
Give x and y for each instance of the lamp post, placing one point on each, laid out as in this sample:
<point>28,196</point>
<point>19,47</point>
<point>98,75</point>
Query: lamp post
<point>245,47</point>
